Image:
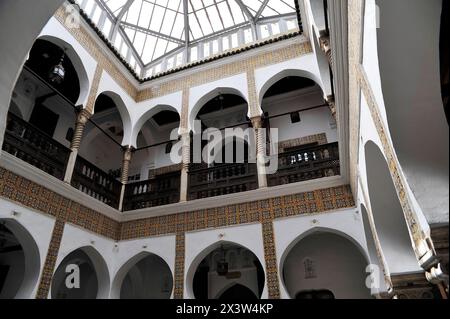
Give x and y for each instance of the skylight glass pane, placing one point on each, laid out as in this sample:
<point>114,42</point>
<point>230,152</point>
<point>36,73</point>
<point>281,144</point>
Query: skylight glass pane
<point>89,7</point>
<point>292,24</point>
<point>265,31</point>
<point>115,5</point>
<point>194,54</point>
<point>275,28</point>
<point>277,7</point>
<point>156,28</point>
<point>97,13</point>
<point>107,27</point>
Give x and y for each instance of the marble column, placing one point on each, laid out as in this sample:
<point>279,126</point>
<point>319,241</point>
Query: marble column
<point>83,116</point>
<point>260,151</point>
<point>186,157</point>
<point>127,155</point>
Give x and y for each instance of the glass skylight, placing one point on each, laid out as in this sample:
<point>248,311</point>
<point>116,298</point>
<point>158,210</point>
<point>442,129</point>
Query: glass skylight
<point>157,35</point>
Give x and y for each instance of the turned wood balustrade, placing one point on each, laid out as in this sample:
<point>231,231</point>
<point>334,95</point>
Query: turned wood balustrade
<point>306,163</point>
<point>35,147</point>
<point>29,144</point>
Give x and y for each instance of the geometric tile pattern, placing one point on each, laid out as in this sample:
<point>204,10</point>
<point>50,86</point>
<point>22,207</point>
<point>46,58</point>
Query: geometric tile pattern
<point>179,266</point>
<point>23,191</point>
<point>50,261</point>
<point>270,257</point>
<point>258,211</point>
<point>34,196</point>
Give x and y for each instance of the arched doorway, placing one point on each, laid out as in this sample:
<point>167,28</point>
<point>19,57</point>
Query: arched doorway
<point>98,168</point>
<point>307,131</point>
<point>227,266</point>
<point>315,294</point>
<point>42,117</point>
<point>238,292</point>
<point>145,277</point>
<point>19,261</point>
<point>324,264</point>
<point>388,214</point>
<point>93,276</point>
<point>214,169</point>
<point>154,176</point>
<point>13,51</point>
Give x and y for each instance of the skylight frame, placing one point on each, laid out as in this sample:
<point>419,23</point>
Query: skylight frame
<point>185,38</point>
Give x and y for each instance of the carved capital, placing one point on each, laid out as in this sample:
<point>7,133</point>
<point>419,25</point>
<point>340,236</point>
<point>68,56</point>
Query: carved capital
<point>256,122</point>
<point>331,103</point>
<point>325,46</point>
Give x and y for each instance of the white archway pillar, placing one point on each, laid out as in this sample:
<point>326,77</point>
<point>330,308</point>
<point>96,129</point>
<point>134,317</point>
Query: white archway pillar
<point>127,155</point>
<point>260,151</point>
<point>186,151</point>
<point>82,118</point>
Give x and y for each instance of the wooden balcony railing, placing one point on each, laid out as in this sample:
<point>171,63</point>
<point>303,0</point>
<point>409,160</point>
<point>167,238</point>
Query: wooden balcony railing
<point>94,182</point>
<point>33,146</point>
<point>221,179</point>
<point>163,190</point>
<point>306,164</point>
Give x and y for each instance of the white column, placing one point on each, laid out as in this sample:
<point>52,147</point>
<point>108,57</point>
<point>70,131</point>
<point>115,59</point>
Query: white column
<point>260,151</point>
<point>127,155</point>
<point>82,118</point>
<point>186,140</point>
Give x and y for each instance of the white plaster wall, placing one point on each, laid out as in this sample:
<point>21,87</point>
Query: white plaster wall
<point>316,23</point>
<point>290,231</point>
<point>40,228</point>
<point>370,55</point>
<point>199,244</point>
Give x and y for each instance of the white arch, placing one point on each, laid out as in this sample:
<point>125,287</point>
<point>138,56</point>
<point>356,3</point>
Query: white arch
<point>77,63</point>
<point>201,101</point>
<point>203,254</point>
<point>123,111</point>
<point>287,73</point>
<point>100,267</point>
<point>128,266</point>
<point>318,230</point>
<point>31,254</point>
<point>305,66</point>
<point>200,95</point>
<point>321,229</point>
<point>387,211</point>
<point>154,110</point>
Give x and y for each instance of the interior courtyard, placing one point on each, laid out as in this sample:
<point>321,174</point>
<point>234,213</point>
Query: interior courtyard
<point>224,149</point>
